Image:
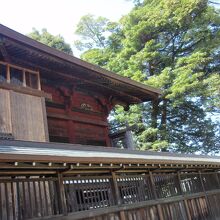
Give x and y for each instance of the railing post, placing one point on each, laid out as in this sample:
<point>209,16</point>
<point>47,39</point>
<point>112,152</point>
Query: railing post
<point>184,200</point>
<point>61,194</point>
<point>159,209</point>
<point>8,74</point>
<point>116,194</point>
<point>204,191</point>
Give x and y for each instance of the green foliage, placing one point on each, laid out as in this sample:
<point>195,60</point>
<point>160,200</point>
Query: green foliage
<point>50,40</point>
<point>91,31</point>
<point>172,45</point>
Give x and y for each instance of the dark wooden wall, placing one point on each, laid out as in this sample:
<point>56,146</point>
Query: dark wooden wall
<point>175,196</point>
<point>77,116</point>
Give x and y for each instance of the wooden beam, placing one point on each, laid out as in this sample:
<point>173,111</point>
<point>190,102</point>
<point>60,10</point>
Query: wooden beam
<point>26,172</point>
<point>77,119</point>
<point>71,77</point>
<point>19,67</point>
<point>25,90</point>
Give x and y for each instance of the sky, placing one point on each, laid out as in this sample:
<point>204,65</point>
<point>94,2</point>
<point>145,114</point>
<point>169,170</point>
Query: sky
<point>58,17</point>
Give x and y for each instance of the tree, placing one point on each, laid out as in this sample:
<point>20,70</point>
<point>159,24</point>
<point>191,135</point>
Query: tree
<point>98,39</point>
<point>173,45</point>
<point>91,31</point>
<point>56,42</point>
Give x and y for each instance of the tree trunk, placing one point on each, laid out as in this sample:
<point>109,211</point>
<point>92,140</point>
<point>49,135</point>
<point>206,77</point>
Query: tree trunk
<point>164,119</point>
<point>154,115</point>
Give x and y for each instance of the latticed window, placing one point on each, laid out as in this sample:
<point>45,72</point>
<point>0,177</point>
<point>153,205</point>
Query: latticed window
<point>191,183</point>
<point>166,185</point>
<point>134,188</point>
<point>88,193</point>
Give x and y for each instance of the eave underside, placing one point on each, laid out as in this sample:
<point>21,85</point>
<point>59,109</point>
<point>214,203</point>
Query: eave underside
<point>86,75</point>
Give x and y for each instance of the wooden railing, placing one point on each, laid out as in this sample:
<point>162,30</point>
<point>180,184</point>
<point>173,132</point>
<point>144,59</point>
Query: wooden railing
<point>176,196</point>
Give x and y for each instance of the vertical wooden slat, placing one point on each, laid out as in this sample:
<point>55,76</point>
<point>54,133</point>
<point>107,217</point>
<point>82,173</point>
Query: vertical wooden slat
<point>185,201</point>
<point>159,209</point>
<point>13,200</point>
<point>116,192</point>
<point>35,199</point>
<point>7,201</point>
<point>8,73</point>
<point>40,201</point>
<point>115,189</point>
<point>51,197</point>
<point>24,78</point>
<point>24,199</point>
<point>30,198</point>
<point>61,194</point>
<point>1,203</point>
<point>19,200</point>
<point>80,196</point>
<point>56,204</point>
<point>204,190</point>
<point>38,81</point>
<point>45,197</point>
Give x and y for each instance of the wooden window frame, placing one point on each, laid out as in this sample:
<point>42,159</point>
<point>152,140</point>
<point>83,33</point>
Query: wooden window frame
<point>24,70</point>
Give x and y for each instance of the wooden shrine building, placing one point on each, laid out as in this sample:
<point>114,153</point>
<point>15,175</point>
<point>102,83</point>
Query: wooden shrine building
<point>57,155</point>
<point>57,97</point>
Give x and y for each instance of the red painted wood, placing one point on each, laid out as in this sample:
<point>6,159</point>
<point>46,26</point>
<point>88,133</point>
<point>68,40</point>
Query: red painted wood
<point>83,105</point>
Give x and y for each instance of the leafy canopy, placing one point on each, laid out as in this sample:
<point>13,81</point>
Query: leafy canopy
<point>50,40</point>
<point>172,45</point>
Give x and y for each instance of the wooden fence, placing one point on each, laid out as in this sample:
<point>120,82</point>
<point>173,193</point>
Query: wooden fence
<point>161,196</point>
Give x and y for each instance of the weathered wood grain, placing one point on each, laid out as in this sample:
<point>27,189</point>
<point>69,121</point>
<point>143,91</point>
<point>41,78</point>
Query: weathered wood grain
<point>5,112</point>
<point>27,117</point>
<point>90,198</point>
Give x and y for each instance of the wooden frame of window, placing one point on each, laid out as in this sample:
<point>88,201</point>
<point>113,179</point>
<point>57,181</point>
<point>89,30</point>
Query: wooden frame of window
<point>24,71</point>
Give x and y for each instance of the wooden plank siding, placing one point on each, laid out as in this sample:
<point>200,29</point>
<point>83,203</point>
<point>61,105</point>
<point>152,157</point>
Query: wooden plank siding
<point>23,116</point>
<point>94,198</point>
<point>5,112</point>
<point>27,117</point>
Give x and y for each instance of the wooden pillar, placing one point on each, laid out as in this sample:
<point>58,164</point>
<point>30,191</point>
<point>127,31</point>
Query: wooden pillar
<point>8,74</point>
<point>159,209</point>
<point>61,195</point>
<point>38,81</point>
<point>184,200</point>
<point>24,78</point>
<point>117,197</point>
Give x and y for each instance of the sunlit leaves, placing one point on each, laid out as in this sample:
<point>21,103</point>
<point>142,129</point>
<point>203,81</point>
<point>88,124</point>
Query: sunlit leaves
<point>56,42</point>
<point>172,45</point>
